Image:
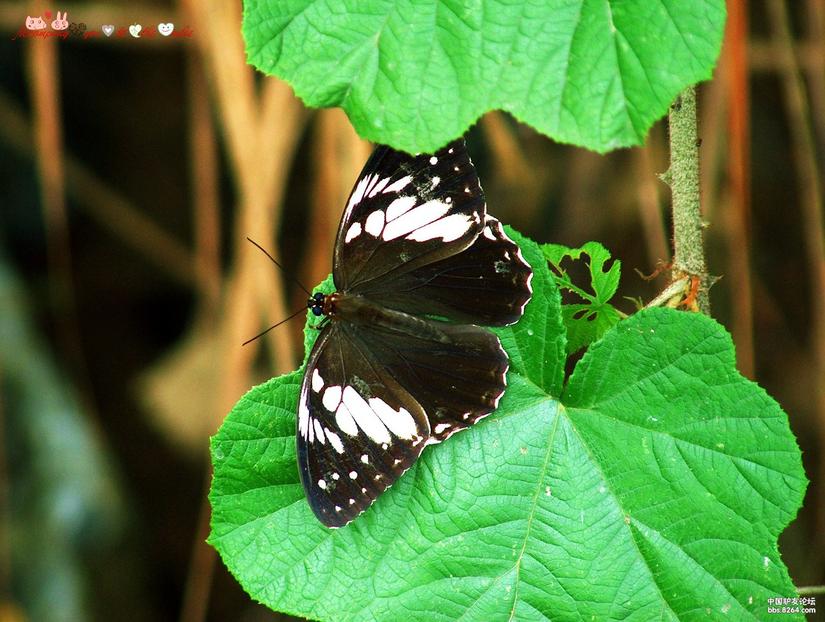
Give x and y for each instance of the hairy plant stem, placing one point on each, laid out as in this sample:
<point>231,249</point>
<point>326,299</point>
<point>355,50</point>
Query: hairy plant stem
<point>683,178</point>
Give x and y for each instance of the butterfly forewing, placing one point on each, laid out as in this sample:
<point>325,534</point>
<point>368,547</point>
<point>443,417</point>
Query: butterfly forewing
<point>358,429</point>
<point>406,211</point>
<point>488,283</point>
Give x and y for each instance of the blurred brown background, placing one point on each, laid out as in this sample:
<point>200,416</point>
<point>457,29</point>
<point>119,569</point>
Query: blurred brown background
<point>131,171</point>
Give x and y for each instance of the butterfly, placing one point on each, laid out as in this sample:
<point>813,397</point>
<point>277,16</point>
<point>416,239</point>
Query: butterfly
<point>400,361</point>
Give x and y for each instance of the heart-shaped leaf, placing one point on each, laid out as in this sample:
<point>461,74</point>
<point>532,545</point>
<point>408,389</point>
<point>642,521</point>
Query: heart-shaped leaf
<point>653,487</point>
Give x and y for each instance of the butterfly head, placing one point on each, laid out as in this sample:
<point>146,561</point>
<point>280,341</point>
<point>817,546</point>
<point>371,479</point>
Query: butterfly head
<point>316,304</point>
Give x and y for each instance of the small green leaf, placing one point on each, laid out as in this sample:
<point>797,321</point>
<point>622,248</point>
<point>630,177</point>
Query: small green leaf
<point>655,489</point>
<point>586,322</point>
<point>415,74</point>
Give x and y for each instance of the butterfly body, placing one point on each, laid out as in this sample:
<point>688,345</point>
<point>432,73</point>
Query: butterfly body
<point>357,310</point>
<point>401,361</point>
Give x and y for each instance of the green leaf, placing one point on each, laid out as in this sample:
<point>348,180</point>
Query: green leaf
<point>655,489</point>
<point>415,74</point>
<point>586,322</point>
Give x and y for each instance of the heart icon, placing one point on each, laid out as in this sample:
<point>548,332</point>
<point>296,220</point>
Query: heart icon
<point>108,29</point>
<point>134,30</point>
<point>166,29</point>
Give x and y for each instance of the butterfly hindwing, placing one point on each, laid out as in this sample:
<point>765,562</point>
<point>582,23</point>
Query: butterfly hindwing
<point>406,211</point>
<point>358,429</point>
<point>457,372</point>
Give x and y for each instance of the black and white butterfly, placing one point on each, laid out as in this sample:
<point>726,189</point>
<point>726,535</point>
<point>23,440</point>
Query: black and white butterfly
<point>400,362</point>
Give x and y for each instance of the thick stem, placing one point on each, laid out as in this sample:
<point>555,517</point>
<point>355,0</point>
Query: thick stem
<point>683,177</point>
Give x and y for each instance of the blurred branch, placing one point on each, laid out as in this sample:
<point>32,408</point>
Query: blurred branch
<point>44,80</point>
<point>816,75</point>
<point>338,156</point>
<point>261,134</point>
<point>810,185</point>
<point>739,250</point>
<point>510,163</point>
<point>683,178</point>
<point>766,56</point>
<point>101,203</point>
<point>204,183</point>
<point>650,206</point>
<point>714,112</point>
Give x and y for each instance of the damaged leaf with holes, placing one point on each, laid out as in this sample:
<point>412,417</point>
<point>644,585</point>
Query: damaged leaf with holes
<point>588,320</point>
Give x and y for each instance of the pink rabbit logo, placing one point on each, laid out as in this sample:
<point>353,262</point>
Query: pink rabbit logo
<point>60,23</point>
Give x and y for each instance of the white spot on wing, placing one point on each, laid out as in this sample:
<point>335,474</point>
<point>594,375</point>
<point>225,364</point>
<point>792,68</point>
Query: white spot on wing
<point>399,206</point>
<point>448,229</point>
<point>317,381</point>
<point>358,193</point>
<point>379,186</point>
<point>353,232</point>
<point>399,422</point>
<point>303,418</point>
<point>322,484</point>
<point>364,416</point>
<point>331,398</point>
<point>414,219</point>
<point>319,432</point>
<point>436,180</point>
<point>375,223</point>
<point>336,477</point>
<point>365,458</point>
<point>398,185</point>
<point>433,160</point>
<point>345,422</point>
<point>335,440</point>
<point>353,474</point>
<point>439,428</point>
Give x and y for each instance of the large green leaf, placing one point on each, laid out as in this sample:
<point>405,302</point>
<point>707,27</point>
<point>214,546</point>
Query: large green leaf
<point>415,74</point>
<point>655,488</point>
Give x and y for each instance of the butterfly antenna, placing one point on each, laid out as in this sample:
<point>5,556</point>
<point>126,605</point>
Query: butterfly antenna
<point>294,280</point>
<point>273,326</point>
